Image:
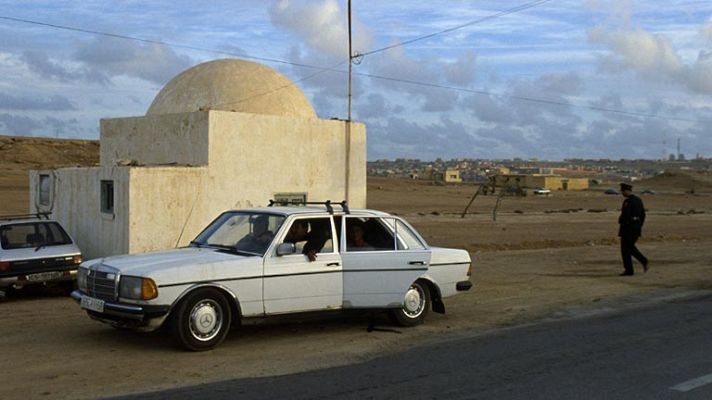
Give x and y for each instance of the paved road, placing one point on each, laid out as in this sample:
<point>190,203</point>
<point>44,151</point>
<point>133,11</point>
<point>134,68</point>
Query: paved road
<point>659,352</point>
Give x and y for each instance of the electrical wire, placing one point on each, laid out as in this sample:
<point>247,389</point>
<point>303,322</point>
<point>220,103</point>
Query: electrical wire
<point>508,11</point>
<point>373,76</point>
<point>532,99</point>
<point>292,83</point>
<point>158,42</point>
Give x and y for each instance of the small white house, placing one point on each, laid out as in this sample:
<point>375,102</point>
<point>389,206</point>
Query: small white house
<point>223,134</point>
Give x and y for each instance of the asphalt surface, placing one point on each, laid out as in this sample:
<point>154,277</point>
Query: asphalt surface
<point>659,352</point>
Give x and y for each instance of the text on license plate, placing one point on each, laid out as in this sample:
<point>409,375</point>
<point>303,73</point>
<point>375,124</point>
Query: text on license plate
<point>93,304</point>
<point>43,276</point>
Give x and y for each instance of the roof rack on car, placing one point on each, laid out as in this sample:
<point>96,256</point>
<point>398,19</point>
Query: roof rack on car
<point>328,204</point>
<point>38,215</point>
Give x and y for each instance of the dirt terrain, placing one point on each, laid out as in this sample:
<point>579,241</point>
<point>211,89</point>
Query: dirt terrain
<point>543,258</point>
<point>19,155</point>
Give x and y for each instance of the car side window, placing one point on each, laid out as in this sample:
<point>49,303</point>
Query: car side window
<point>407,239</point>
<point>311,234</point>
<point>368,234</point>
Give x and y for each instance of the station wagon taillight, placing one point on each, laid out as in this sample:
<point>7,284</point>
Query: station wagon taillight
<point>4,265</point>
<point>469,270</point>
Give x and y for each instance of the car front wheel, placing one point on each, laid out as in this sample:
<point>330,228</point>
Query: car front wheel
<point>416,305</point>
<point>202,320</point>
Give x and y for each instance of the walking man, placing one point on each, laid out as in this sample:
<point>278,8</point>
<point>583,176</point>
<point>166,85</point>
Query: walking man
<point>631,223</point>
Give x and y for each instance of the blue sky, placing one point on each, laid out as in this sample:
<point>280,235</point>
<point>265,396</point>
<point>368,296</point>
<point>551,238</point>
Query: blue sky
<point>534,83</point>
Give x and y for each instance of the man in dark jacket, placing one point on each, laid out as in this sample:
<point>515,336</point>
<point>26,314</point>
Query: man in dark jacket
<point>631,223</point>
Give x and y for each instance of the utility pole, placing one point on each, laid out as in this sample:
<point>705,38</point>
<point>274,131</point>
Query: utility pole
<point>350,63</point>
<point>347,169</point>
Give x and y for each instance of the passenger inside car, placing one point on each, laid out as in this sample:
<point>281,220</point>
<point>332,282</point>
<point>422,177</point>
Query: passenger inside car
<point>355,240</point>
<point>310,236</point>
<point>259,239</point>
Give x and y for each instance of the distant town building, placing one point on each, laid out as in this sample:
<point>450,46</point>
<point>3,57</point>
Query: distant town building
<point>551,182</point>
<point>452,176</point>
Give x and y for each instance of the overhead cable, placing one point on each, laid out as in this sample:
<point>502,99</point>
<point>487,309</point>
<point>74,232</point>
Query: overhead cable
<point>531,99</point>
<point>158,42</point>
<point>512,10</point>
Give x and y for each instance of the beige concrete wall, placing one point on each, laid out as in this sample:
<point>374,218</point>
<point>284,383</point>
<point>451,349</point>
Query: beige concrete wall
<point>157,139</point>
<point>252,157</point>
<point>76,205</point>
<point>169,206</point>
<point>577,183</point>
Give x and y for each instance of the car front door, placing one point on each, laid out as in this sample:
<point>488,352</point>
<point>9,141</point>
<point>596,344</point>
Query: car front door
<point>293,283</point>
<point>379,262</point>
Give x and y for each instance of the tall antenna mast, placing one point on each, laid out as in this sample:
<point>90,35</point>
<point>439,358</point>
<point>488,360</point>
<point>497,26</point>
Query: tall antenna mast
<point>347,158</point>
<point>350,59</point>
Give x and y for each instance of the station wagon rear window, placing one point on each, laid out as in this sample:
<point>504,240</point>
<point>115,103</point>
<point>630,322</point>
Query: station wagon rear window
<point>32,234</point>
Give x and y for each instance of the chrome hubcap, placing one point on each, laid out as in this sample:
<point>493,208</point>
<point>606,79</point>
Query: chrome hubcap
<point>414,302</point>
<point>206,320</point>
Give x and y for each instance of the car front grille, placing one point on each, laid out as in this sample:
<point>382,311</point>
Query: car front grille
<point>101,283</point>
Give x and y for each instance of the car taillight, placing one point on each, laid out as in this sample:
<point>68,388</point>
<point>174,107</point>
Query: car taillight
<point>77,259</point>
<point>4,265</point>
<point>469,270</point>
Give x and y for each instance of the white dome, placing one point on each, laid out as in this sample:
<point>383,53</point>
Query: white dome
<point>232,85</point>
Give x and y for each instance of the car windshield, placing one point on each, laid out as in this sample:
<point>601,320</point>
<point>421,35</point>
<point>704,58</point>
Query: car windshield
<point>32,234</point>
<point>242,232</point>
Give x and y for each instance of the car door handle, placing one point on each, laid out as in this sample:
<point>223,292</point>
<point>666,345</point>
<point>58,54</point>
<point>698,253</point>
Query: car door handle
<point>416,262</point>
<point>333,264</point>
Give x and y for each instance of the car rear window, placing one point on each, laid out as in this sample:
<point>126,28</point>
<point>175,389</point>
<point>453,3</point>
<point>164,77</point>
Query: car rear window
<point>32,234</point>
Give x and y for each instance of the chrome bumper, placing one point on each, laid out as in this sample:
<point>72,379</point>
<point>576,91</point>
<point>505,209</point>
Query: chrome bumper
<point>125,311</point>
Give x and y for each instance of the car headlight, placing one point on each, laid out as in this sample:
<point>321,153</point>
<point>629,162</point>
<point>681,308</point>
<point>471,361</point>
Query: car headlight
<point>82,279</point>
<point>137,288</point>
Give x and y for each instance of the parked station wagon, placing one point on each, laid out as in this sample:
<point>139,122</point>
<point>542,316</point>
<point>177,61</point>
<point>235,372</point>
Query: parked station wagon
<point>35,250</point>
<point>262,262</point>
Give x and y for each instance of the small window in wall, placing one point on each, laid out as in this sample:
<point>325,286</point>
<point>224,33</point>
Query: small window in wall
<point>107,197</point>
<point>45,190</point>
<point>290,198</point>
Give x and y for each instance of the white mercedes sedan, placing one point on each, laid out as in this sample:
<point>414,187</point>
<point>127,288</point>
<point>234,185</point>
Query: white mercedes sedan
<point>263,262</point>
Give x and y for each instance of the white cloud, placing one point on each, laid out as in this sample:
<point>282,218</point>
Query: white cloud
<point>322,25</point>
<point>653,57</point>
<point>642,51</point>
<point>707,30</point>
<point>117,57</point>
<point>462,71</point>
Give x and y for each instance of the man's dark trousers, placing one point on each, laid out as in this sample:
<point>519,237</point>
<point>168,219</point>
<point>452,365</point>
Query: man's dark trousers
<point>628,250</point>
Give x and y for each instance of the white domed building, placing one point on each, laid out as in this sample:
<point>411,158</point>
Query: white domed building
<point>221,135</point>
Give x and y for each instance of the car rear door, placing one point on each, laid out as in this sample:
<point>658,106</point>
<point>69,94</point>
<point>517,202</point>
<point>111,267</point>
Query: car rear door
<point>292,283</point>
<point>378,274</point>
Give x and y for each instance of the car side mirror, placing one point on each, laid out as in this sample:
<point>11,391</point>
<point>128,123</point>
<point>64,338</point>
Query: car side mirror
<point>286,249</point>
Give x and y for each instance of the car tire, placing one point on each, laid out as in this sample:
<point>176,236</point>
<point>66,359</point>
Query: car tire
<point>202,320</point>
<point>416,305</point>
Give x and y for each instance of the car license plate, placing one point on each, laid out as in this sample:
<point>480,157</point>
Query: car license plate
<point>92,304</point>
<point>43,276</point>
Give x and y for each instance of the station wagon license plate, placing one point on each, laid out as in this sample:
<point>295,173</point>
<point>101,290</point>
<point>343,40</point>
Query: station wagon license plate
<point>43,276</point>
<point>92,304</point>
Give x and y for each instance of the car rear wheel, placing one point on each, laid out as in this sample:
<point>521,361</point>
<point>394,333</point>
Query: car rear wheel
<point>202,320</point>
<point>416,306</point>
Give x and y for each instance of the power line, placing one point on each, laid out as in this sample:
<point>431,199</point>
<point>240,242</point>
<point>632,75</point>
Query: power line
<point>512,10</point>
<point>158,42</point>
<point>333,68</point>
<point>531,99</point>
<point>291,83</point>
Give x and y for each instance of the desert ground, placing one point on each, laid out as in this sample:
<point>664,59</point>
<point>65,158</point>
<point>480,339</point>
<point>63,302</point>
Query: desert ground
<point>543,258</point>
